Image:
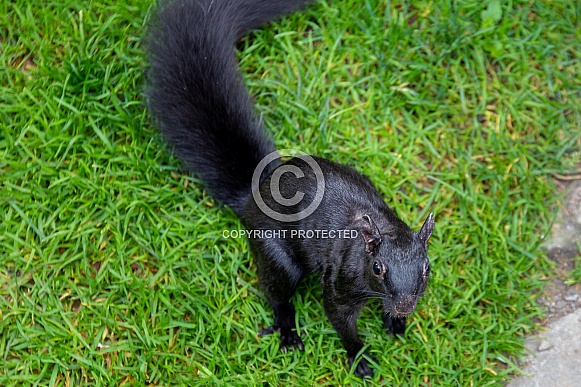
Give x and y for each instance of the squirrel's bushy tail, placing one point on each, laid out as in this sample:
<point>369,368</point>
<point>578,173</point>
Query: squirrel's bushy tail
<point>196,94</point>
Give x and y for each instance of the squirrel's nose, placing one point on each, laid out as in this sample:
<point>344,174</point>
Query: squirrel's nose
<point>405,305</point>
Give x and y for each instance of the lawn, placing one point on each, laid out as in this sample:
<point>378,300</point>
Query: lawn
<point>113,266</point>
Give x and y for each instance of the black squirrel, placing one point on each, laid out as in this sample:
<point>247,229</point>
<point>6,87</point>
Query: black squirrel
<point>358,245</point>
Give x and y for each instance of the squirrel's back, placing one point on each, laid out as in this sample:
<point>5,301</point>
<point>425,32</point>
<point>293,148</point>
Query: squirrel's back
<point>196,94</point>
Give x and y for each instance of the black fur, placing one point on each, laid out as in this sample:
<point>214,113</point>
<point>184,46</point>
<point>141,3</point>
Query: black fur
<point>199,102</point>
<point>346,265</point>
<point>196,94</point>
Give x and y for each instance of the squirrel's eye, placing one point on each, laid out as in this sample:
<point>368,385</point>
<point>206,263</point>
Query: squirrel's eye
<point>376,268</point>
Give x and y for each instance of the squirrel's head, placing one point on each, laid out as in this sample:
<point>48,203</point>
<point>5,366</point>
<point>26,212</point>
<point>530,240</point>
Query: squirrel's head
<point>397,266</point>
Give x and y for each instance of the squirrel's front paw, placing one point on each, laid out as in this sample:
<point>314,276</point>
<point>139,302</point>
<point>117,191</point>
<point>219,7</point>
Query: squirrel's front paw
<point>289,338</point>
<point>363,369</point>
<point>395,326</point>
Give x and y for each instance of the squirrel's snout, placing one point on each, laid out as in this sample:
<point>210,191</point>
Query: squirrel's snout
<point>405,305</point>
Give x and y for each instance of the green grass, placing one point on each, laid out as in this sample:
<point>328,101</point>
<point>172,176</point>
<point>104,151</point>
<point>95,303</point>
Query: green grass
<point>113,266</point>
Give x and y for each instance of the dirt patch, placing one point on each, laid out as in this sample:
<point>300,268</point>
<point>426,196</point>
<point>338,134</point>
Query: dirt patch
<point>559,298</point>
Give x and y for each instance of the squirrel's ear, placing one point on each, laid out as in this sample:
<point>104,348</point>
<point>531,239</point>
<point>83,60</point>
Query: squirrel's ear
<point>370,233</point>
<point>427,230</point>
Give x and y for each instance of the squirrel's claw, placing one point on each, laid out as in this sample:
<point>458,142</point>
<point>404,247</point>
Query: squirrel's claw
<point>289,338</point>
<point>363,369</point>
